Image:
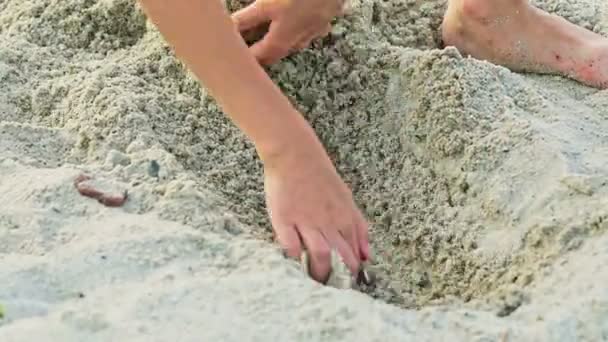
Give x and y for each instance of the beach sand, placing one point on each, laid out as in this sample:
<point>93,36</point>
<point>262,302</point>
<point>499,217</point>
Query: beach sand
<point>487,190</point>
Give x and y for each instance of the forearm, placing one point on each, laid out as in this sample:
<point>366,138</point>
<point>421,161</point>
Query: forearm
<point>203,36</point>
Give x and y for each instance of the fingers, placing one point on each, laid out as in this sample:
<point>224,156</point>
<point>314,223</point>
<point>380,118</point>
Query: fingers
<point>251,16</point>
<point>302,45</point>
<point>319,253</point>
<point>319,245</point>
<point>288,238</point>
<point>280,43</point>
<point>307,41</point>
<point>350,235</point>
<point>268,52</point>
<point>276,45</point>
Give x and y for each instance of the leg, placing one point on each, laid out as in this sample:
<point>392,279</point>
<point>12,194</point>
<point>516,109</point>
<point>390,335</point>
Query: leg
<point>519,36</point>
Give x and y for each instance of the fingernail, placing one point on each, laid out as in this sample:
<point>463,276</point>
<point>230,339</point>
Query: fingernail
<point>365,252</point>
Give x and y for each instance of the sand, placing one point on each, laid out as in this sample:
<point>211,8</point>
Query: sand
<point>486,188</point>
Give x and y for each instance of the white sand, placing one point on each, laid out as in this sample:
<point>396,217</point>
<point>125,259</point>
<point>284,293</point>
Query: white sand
<point>486,188</point>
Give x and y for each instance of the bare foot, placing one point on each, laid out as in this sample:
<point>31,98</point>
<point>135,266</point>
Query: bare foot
<point>515,34</point>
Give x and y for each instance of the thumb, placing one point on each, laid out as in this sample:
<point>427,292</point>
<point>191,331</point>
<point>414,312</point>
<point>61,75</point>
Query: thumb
<point>251,16</point>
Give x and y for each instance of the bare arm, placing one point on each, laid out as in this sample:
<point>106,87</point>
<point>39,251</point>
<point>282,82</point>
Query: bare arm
<point>203,36</point>
<point>311,206</point>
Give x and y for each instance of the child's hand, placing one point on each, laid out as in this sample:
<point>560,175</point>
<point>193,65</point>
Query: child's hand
<point>312,208</point>
<point>293,25</point>
<point>304,192</point>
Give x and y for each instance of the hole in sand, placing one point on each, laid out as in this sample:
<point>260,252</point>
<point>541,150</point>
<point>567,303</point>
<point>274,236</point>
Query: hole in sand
<point>452,160</point>
<point>434,147</point>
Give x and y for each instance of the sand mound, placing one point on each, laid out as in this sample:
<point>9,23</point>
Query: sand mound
<point>486,188</point>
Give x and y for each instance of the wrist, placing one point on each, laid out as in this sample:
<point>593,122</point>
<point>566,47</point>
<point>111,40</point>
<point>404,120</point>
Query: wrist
<point>295,142</point>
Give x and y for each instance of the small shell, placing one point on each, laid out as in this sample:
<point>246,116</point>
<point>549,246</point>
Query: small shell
<point>107,199</point>
<point>365,277</point>
<point>113,200</point>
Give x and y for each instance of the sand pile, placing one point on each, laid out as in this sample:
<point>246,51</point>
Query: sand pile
<point>486,188</point>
